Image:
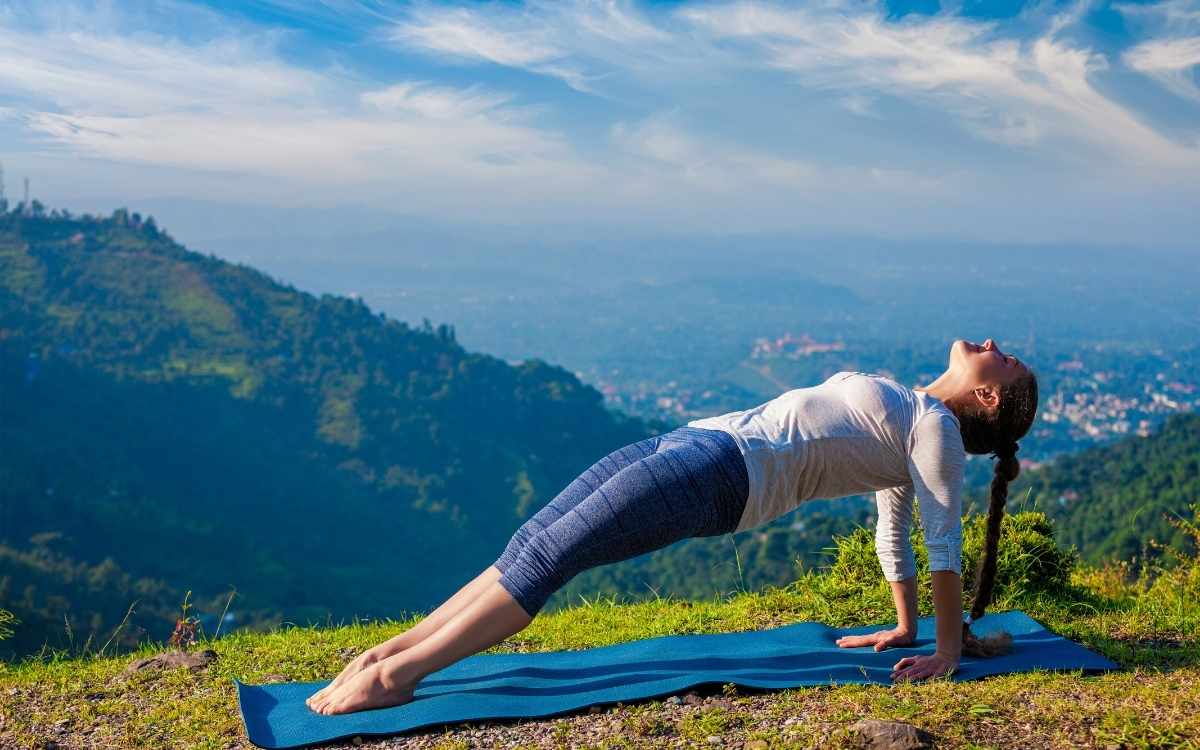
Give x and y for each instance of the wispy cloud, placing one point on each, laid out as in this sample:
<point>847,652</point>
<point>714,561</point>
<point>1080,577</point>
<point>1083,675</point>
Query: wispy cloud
<point>435,102</point>
<point>1170,61</point>
<point>231,104</point>
<point>1019,92</point>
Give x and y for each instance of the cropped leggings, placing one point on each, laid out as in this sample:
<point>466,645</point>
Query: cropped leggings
<point>646,495</point>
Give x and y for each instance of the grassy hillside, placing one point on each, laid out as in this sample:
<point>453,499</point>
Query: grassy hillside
<point>1147,623</point>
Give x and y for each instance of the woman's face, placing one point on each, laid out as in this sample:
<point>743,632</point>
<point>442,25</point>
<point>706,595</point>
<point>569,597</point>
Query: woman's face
<point>985,364</point>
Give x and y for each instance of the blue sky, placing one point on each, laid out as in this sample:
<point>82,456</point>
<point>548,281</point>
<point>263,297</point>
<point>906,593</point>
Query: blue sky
<point>1021,122</point>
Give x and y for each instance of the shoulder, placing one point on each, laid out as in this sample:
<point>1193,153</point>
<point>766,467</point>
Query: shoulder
<point>937,430</point>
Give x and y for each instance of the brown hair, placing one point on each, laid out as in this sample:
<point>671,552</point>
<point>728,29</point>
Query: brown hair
<point>996,433</point>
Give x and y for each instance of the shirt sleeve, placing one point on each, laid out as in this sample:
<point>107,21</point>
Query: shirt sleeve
<point>936,463</point>
<point>892,542</point>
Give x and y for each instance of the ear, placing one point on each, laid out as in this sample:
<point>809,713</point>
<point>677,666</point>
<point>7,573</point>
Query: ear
<point>988,395</point>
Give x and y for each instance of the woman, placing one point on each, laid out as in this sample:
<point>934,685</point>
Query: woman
<point>854,433</point>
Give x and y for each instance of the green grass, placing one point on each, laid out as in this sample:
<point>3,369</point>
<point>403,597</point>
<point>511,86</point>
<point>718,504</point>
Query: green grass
<point>1148,624</point>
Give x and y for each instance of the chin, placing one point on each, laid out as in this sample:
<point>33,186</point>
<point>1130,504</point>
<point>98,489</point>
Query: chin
<point>957,348</point>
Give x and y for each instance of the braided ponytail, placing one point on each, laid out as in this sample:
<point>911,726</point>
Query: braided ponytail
<point>1007,468</point>
<point>997,434</point>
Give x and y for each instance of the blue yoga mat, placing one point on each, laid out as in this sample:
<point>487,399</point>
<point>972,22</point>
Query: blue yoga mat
<point>526,685</point>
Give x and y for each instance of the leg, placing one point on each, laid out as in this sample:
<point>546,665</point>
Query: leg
<point>571,496</point>
<point>695,484</point>
<point>490,618</point>
<point>574,493</point>
<point>414,635</point>
<point>690,490</point>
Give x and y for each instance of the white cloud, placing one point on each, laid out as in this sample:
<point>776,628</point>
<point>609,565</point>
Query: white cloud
<point>435,102</point>
<point>462,33</point>
<point>1172,62</point>
<point>577,41</point>
<point>678,159</point>
<point>1015,92</point>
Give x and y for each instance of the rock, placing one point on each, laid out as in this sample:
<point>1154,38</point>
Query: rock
<point>756,745</point>
<point>675,700</point>
<point>356,741</point>
<point>891,735</point>
<point>693,699</point>
<point>713,739</point>
<point>193,660</point>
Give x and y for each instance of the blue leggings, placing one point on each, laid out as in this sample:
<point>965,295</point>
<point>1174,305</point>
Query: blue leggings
<point>685,483</point>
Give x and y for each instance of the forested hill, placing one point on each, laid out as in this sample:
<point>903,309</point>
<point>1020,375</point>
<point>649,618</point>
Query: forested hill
<point>1110,500</point>
<point>170,421</point>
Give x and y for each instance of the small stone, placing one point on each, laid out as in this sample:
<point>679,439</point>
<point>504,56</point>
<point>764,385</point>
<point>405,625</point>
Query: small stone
<point>713,739</point>
<point>274,678</point>
<point>356,741</point>
<point>891,735</point>
<point>675,699</point>
<point>756,745</point>
<point>193,660</point>
<point>692,699</point>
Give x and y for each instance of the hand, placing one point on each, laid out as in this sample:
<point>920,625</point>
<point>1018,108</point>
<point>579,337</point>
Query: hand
<point>359,663</point>
<point>881,639</point>
<point>922,666</point>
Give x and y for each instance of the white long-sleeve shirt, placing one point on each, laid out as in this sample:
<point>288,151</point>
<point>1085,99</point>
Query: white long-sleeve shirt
<point>854,433</point>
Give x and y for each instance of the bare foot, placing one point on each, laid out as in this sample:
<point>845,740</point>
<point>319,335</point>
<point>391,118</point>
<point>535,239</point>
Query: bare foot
<point>373,687</point>
<point>360,662</point>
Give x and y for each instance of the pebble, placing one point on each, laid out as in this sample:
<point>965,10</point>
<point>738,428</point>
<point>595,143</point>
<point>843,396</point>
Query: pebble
<point>756,745</point>
<point>675,700</point>
<point>713,739</point>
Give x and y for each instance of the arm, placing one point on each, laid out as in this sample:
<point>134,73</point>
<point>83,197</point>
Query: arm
<point>894,549</point>
<point>936,463</point>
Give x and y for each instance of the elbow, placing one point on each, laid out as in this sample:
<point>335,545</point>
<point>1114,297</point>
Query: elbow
<point>944,555</point>
<point>897,565</point>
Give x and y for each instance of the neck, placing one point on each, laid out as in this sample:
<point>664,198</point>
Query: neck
<point>943,389</point>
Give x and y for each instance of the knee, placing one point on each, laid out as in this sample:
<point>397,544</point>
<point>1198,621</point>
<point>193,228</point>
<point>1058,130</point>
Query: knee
<point>535,573</point>
<point>515,544</point>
